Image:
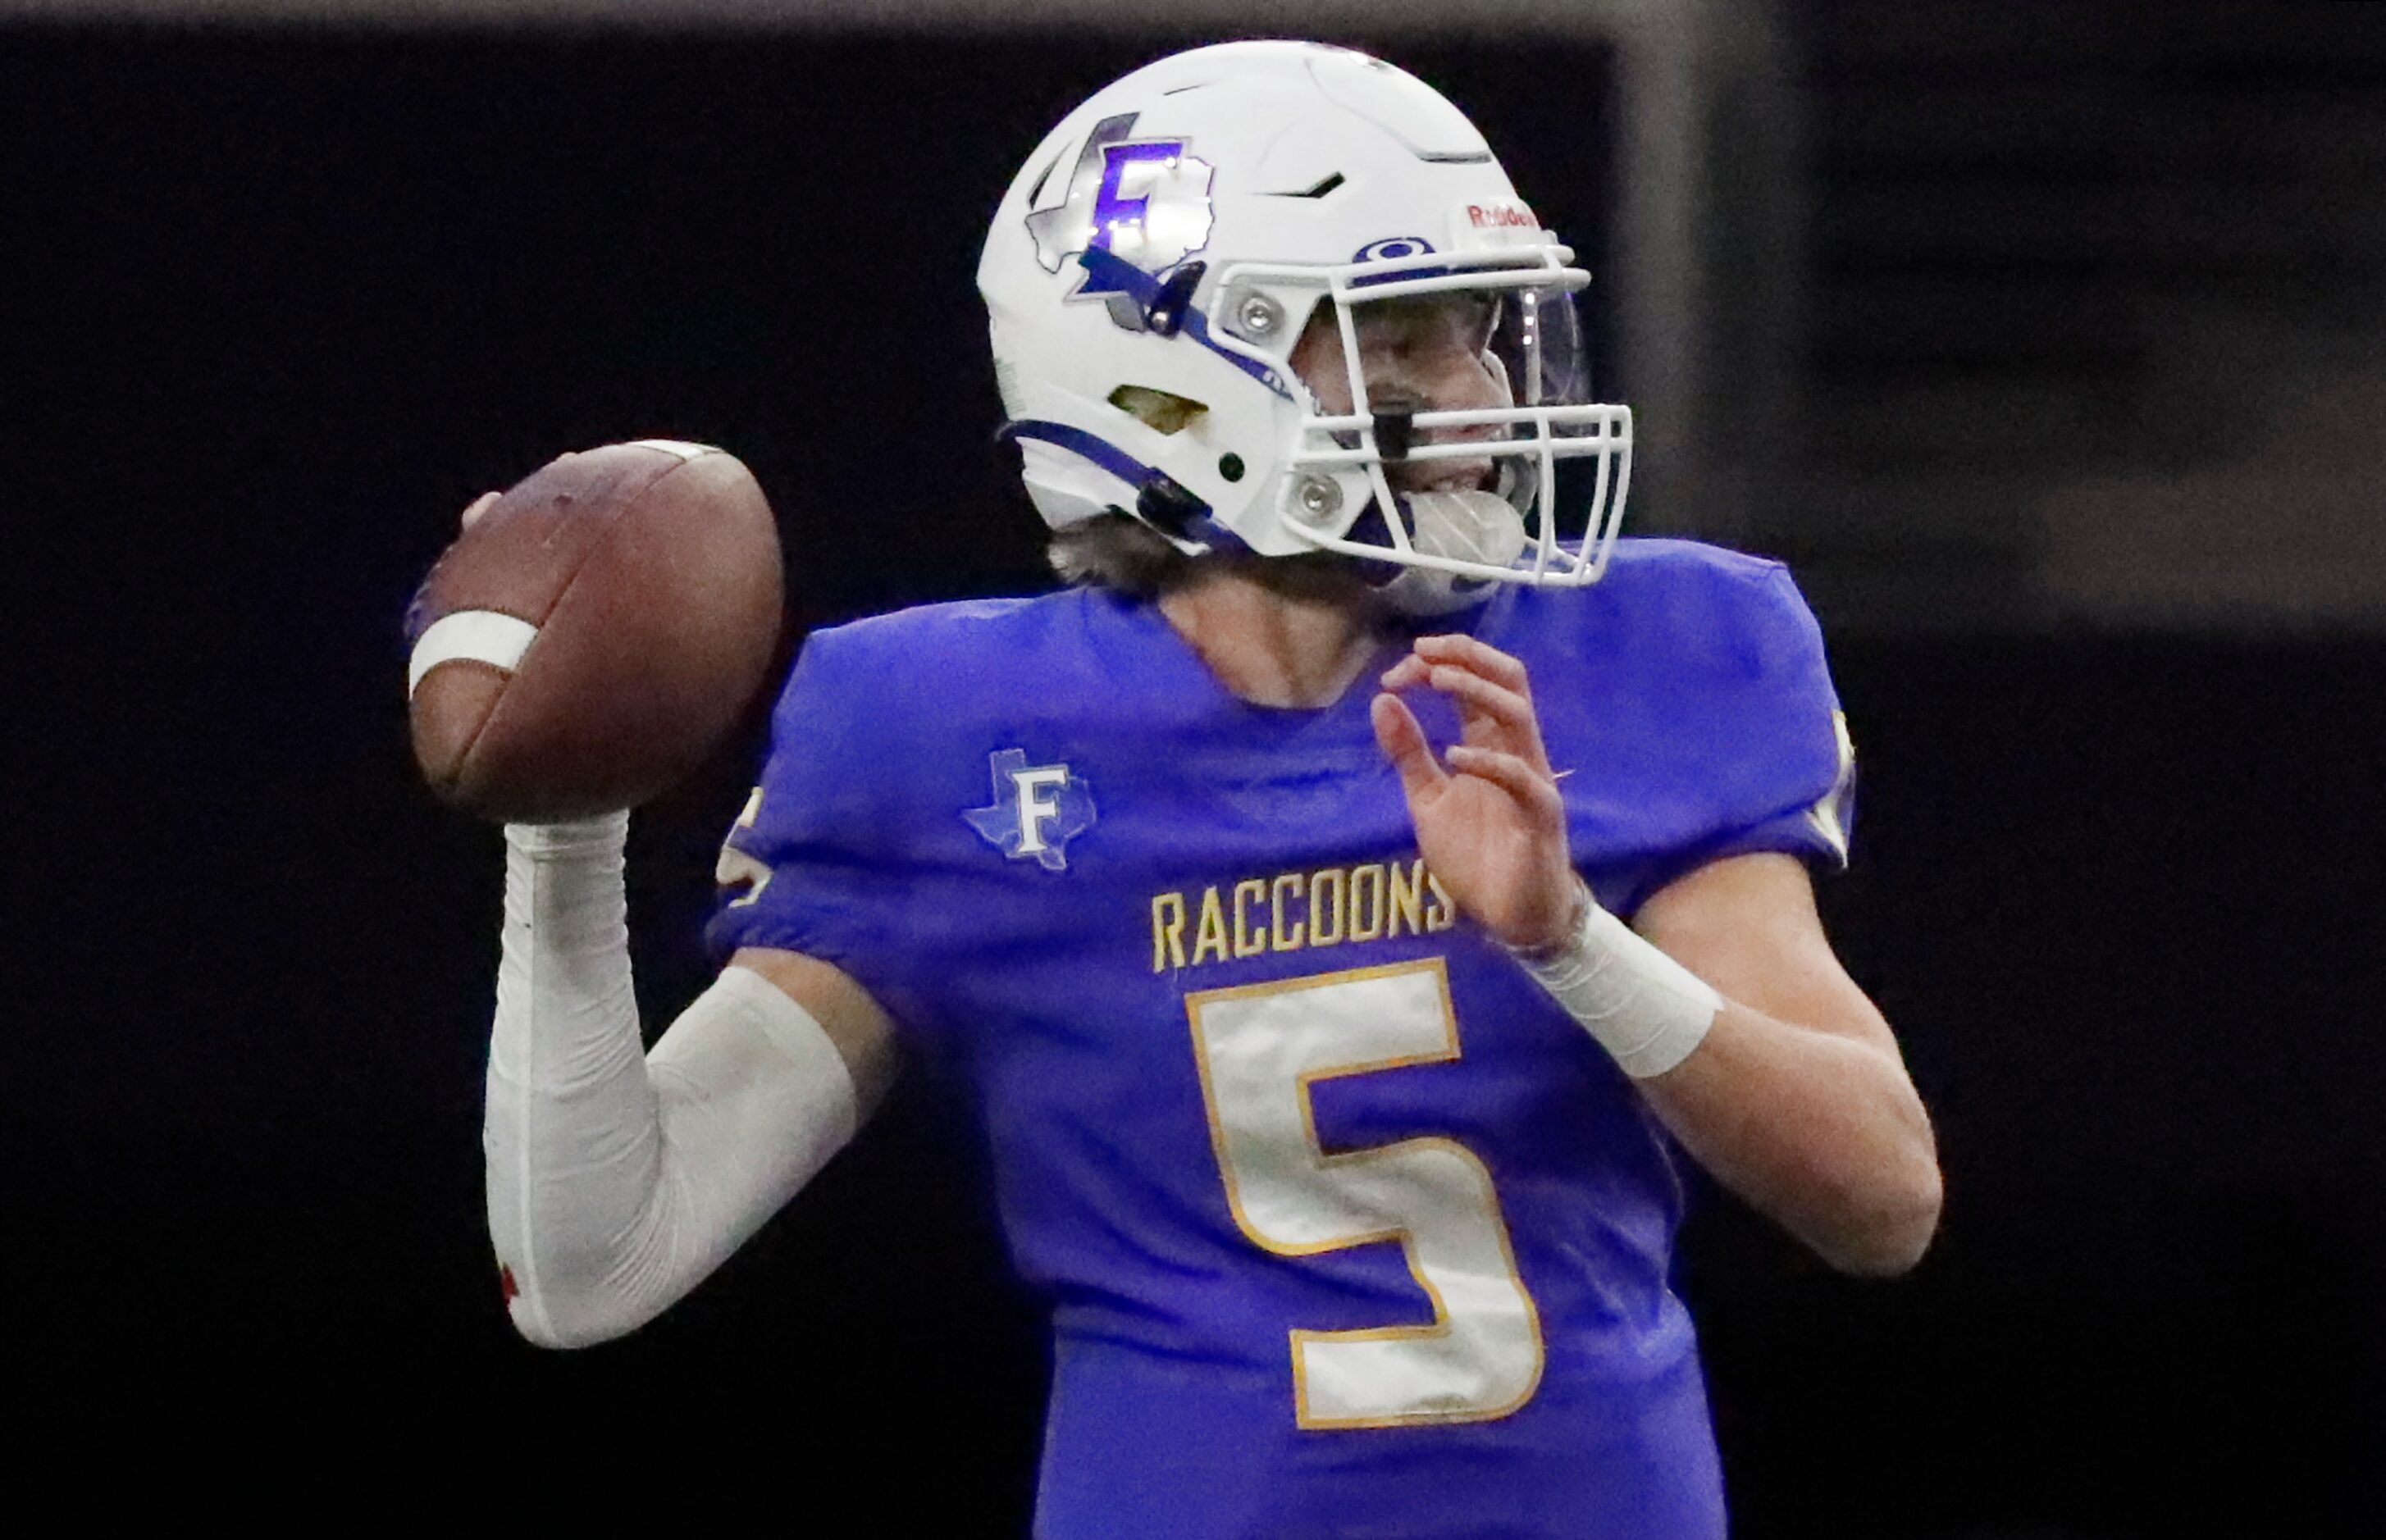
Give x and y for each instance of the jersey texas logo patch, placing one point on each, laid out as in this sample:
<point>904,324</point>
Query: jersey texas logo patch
<point>1037,809</point>
<point>1145,201</point>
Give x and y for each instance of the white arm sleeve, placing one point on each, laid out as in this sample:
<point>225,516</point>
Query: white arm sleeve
<point>617,1180</point>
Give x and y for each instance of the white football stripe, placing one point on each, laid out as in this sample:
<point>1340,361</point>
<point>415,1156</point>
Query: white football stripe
<point>674,446</point>
<point>478,635</point>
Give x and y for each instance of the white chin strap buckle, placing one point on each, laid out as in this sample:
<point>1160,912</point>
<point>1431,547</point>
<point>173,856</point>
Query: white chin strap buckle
<point>1464,526</point>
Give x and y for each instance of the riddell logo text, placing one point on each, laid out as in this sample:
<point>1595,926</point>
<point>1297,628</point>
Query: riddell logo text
<point>1506,216</point>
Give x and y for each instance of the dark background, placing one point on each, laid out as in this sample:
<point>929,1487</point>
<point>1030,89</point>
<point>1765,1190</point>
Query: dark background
<point>279,302</point>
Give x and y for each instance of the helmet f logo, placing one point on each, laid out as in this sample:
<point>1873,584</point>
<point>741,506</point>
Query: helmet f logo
<point>1145,201</point>
<point>1114,212</point>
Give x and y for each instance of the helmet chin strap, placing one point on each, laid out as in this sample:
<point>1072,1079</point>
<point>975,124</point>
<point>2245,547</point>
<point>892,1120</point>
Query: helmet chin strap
<point>1466,526</point>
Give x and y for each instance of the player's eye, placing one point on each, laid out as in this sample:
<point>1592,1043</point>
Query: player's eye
<point>1486,320</point>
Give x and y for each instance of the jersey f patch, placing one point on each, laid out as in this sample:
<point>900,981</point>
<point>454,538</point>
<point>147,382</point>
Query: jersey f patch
<point>1037,810</point>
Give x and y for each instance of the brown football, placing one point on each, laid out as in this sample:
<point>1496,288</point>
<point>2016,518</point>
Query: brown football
<point>595,632</point>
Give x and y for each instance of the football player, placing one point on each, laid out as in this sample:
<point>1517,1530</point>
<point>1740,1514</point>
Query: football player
<point>1339,901</point>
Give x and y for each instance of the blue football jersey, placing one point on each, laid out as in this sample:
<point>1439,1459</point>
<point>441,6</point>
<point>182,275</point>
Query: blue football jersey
<point>1345,1229</point>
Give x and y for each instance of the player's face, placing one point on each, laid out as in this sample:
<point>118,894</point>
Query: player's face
<point>1426,353</point>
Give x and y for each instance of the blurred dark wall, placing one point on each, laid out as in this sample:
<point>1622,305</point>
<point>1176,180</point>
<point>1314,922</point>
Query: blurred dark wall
<point>2096,308</point>
<point>280,303</point>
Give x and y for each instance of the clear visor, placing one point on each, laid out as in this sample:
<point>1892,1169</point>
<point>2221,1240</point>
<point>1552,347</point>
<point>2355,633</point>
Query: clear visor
<point>1441,393</point>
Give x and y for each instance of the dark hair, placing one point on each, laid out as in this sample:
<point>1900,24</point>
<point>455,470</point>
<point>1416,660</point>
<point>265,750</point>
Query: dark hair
<point>1114,550</point>
<point>1117,551</point>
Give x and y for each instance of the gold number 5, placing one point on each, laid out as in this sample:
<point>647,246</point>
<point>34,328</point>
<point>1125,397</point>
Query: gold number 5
<point>1259,1048</point>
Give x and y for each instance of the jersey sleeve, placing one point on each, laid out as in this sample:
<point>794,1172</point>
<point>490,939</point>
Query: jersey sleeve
<point>1756,754</point>
<point>815,863</point>
<point>1794,791</point>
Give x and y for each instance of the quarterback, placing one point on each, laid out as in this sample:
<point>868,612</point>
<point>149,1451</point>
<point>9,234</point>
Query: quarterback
<point>1343,903</point>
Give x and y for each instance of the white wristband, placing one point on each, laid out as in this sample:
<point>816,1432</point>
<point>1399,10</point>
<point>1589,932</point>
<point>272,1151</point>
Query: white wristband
<point>1646,1010</point>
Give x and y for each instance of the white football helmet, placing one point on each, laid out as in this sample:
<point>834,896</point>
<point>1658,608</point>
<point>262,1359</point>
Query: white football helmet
<point>1168,243</point>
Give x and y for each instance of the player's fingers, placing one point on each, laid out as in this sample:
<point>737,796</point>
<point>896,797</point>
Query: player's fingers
<point>478,507</point>
<point>1514,774</point>
<point>1481,657</point>
<point>1406,674</point>
<point>1507,713</point>
<point>1404,744</point>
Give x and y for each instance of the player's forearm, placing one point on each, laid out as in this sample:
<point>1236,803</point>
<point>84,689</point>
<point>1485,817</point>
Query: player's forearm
<point>1821,1132</point>
<point>618,1180</point>
<point>571,1129</point>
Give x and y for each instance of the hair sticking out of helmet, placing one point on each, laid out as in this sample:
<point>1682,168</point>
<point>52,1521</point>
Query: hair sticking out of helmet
<point>1320,258</point>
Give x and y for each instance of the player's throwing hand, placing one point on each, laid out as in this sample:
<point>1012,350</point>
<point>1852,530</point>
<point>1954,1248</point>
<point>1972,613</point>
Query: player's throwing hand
<point>1491,826</point>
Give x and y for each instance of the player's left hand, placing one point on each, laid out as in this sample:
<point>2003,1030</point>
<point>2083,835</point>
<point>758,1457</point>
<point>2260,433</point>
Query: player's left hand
<point>1490,826</point>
